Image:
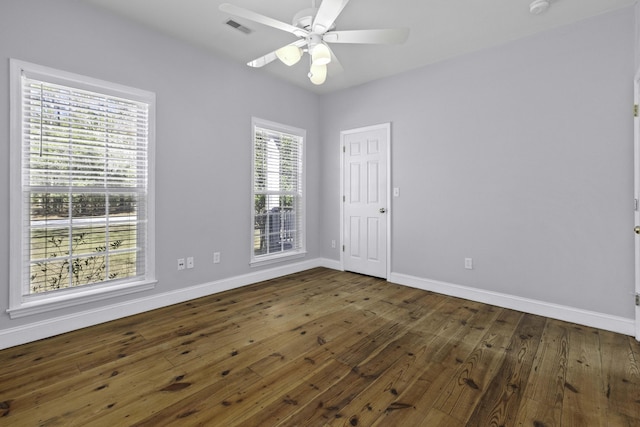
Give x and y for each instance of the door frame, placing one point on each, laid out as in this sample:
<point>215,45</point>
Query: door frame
<point>386,126</point>
<point>636,192</point>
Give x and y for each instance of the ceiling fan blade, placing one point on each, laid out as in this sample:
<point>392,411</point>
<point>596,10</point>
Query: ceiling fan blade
<point>261,19</point>
<point>335,66</point>
<point>389,36</point>
<point>263,60</point>
<point>327,14</point>
<point>271,56</point>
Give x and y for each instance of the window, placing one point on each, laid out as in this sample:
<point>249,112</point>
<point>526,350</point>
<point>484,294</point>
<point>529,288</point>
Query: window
<point>278,192</point>
<point>82,190</point>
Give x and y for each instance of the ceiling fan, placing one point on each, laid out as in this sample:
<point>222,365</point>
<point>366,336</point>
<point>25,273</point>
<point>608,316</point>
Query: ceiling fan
<point>315,27</point>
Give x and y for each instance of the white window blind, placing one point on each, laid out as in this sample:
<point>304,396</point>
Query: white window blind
<point>278,184</point>
<point>84,184</point>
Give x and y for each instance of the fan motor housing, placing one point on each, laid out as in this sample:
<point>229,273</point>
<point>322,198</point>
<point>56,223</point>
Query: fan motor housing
<point>304,19</point>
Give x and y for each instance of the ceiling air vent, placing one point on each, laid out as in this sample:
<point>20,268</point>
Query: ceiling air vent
<point>238,26</point>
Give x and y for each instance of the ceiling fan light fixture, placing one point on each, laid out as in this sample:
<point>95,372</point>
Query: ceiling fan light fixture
<point>318,74</point>
<point>289,54</point>
<point>320,55</point>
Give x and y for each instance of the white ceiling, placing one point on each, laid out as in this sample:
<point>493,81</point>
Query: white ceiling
<point>439,29</point>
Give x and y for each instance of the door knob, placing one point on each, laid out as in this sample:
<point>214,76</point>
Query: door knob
<point>637,229</point>
<point>383,210</point>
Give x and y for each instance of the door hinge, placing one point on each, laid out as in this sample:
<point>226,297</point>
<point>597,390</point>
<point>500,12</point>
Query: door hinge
<point>635,110</point>
<point>635,204</point>
<point>344,147</point>
<point>638,299</point>
<point>343,251</point>
<point>344,198</point>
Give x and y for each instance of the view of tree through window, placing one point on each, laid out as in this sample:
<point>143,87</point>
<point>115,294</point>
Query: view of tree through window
<point>277,192</point>
<point>85,174</point>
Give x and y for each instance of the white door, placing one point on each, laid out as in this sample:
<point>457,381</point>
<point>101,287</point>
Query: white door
<point>636,130</point>
<point>365,216</point>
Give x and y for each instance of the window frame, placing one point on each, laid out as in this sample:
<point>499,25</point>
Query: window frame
<point>293,253</point>
<point>21,301</point>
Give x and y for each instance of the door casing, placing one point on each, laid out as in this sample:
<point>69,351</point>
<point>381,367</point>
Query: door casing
<point>636,186</point>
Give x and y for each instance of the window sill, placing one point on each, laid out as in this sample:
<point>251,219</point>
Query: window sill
<point>272,259</point>
<point>36,305</point>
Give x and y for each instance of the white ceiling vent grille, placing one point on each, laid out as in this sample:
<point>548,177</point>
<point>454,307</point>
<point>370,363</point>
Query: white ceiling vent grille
<point>238,26</point>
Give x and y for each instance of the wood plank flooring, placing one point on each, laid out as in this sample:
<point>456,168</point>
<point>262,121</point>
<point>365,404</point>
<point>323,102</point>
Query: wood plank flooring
<point>325,348</point>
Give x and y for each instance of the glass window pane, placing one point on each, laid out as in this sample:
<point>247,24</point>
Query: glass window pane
<point>90,238</point>
<point>122,265</point>
<point>46,206</point>
<point>49,275</point>
<point>123,205</point>
<point>123,236</point>
<point>277,191</point>
<point>49,242</point>
<point>85,205</point>
<point>89,269</point>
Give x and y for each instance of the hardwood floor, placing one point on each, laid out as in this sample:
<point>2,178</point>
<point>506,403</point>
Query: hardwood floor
<point>325,348</point>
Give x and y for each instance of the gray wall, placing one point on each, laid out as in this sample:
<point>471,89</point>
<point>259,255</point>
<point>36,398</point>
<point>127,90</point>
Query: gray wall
<point>519,156</point>
<point>637,40</point>
<point>204,109</point>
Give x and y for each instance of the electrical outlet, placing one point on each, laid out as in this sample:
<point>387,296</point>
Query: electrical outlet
<point>396,192</point>
<point>190,262</point>
<point>181,264</point>
<point>468,263</point>
<point>216,257</point>
<point>333,244</point>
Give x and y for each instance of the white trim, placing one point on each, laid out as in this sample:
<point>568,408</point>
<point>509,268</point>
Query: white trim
<point>389,190</point>
<point>16,220</point>
<point>555,311</point>
<point>62,324</point>
<point>302,250</point>
<point>387,126</point>
<point>21,303</point>
<point>278,257</point>
<point>65,78</point>
<point>636,190</point>
<point>88,295</point>
<point>330,263</point>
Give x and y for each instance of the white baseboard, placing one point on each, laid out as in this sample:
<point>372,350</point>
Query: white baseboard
<point>66,323</point>
<point>330,263</point>
<point>569,314</point>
